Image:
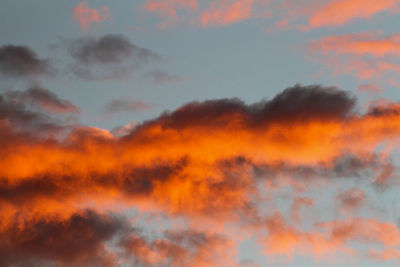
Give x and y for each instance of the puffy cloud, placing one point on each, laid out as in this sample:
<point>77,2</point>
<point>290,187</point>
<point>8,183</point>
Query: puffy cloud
<point>21,61</point>
<point>43,98</point>
<point>210,162</point>
<point>42,240</point>
<point>108,57</point>
<point>15,116</point>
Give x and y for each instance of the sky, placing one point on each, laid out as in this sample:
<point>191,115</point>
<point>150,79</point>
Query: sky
<point>193,133</point>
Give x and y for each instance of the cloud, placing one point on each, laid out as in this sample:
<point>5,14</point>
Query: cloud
<point>368,55</point>
<point>351,199</point>
<point>43,98</point>
<point>168,9</point>
<point>302,15</point>
<point>160,160</point>
<point>359,43</point>
<point>369,88</point>
<point>179,248</point>
<point>328,238</point>
<point>108,57</point>
<point>78,239</point>
<point>15,116</point>
<point>86,16</point>
<point>226,12</point>
<point>21,61</point>
<point>125,105</point>
<point>124,129</point>
<point>159,77</point>
<point>338,12</point>
<point>207,167</point>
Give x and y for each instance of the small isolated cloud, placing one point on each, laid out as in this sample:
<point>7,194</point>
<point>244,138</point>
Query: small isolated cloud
<point>369,88</point>
<point>109,57</point>
<point>125,105</point>
<point>21,61</point>
<point>159,77</point>
<point>352,199</point>
<point>43,98</point>
<point>86,16</point>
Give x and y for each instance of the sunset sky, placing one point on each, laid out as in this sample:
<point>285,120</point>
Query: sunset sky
<point>196,133</point>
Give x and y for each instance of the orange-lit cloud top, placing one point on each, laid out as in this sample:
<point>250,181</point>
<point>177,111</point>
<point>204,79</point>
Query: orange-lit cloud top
<point>197,147</point>
<point>87,16</point>
<point>203,161</point>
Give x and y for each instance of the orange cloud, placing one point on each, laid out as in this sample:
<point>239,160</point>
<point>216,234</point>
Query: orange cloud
<point>86,16</point>
<point>167,160</point>
<point>168,9</point>
<point>226,12</point>
<point>368,55</point>
<point>362,44</point>
<point>338,12</point>
<point>203,161</point>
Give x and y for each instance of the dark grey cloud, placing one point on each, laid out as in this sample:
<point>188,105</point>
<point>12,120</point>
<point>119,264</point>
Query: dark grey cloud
<point>297,103</point>
<point>109,57</point>
<point>50,241</point>
<point>21,61</point>
<point>175,248</point>
<point>21,119</point>
<point>43,98</point>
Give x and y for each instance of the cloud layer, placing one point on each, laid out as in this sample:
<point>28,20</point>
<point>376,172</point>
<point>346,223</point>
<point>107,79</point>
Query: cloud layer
<point>207,163</point>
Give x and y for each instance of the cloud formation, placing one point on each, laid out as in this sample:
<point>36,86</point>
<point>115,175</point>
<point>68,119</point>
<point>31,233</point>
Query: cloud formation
<point>368,55</point>
<point>108,57</point>
<point>212,164</point>
<point>338,12</point>
<point>224,12</point>
<point>168,9</point>
<point>43,98</point>
<point>21,62</point>
<point>303,15</point>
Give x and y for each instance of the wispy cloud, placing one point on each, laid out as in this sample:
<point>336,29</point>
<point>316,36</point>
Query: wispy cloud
<point>87,16</point>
